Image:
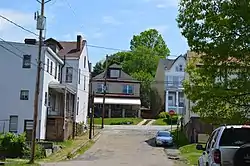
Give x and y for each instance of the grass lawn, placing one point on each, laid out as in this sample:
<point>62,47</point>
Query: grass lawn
<point>190,153</point>
<point>19,162</point>
<point>117,121</point>
<point>160,122</point>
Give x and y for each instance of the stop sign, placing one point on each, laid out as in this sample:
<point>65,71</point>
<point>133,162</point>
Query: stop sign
<point>171,112</point>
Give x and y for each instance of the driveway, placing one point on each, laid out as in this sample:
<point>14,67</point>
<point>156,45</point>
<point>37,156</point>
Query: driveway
<point>123,145</point>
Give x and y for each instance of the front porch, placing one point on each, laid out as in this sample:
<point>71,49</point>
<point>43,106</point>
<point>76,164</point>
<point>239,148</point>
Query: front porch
<point>118,107</point>
<point>60,112</point>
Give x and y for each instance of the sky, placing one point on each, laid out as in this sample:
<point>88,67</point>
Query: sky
<point>103,23</point>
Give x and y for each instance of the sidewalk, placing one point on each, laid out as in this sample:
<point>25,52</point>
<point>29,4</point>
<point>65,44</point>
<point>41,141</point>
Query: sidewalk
<point>142,122</point>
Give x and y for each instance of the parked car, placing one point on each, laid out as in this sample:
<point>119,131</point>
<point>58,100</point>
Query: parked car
<point>227,146</point>
<point>163,138</point>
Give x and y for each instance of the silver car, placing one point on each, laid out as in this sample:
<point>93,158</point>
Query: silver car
<point>163,138</point>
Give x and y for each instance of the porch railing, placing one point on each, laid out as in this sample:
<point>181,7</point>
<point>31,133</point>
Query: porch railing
<point>54,112</point>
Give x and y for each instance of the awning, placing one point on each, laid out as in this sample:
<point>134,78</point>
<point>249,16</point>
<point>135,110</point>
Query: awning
<point>60,87</point>
<point>122,101</point>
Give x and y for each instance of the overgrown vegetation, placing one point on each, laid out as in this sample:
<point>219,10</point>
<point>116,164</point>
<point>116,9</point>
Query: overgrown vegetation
<point>190,153</point>
<point>15,146</point>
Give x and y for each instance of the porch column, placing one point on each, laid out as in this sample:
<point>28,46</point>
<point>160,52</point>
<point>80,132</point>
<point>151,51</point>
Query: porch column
<point>166,101</point>
<point>109,112</point>
<point>123,113</point>
<point>139,113</point>
<point>177,102</point>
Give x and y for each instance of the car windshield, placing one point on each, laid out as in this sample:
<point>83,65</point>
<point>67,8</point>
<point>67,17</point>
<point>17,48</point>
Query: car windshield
<point>163,134</point>
<point>235,137</point>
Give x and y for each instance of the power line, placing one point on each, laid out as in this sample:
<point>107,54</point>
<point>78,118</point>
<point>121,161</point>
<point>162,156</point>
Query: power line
<point>89,45</point>
<point>25,29</point>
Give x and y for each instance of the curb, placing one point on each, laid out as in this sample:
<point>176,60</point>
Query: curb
<point>95,138</point>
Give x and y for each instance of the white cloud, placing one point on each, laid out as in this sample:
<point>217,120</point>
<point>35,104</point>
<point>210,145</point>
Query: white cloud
<point>110,20</point>
<point>10,32</point>
<point>164,3</point>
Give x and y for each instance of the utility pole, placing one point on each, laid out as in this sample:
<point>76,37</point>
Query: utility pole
<point>91,107</point>
<point>40,27</point>
<point>104,91</point>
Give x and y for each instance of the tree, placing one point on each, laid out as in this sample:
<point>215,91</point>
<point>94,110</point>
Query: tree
<point>218,30</point>
<point>141,62</point>
<point>150,39</point>
<point>97,69</point>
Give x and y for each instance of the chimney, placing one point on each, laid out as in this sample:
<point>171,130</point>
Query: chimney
<point>79,42</point>
<point>30,41</point>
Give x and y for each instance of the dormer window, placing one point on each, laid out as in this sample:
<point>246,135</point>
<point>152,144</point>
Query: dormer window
<point>114,73</point>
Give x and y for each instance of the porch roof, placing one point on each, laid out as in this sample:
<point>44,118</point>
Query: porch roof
<point>60,87</point>
<point>122,101</point>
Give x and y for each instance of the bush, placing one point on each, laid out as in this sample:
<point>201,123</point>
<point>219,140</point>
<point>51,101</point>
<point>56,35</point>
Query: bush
<point>163,115</point>
<point>12,145</point>
<point>39,152</point>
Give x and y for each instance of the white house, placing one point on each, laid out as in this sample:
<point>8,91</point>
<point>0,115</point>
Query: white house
<point>168,82</point>
<point>63,98</point>
<point>174,76</point>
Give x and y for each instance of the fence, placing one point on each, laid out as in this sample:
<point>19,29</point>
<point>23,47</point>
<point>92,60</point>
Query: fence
<point>3,125</point>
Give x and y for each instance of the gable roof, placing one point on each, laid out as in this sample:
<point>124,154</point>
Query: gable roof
<point>70,49</point>
<point>115,66</point>
<point>168,63</point>
<point>53,41</point>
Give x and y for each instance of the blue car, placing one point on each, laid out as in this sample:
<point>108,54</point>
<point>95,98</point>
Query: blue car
<point>164,138</point>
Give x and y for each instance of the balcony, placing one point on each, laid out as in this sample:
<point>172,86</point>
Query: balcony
<point>54,112</point>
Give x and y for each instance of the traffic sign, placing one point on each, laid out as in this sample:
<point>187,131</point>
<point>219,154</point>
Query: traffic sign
<point>171,112</point>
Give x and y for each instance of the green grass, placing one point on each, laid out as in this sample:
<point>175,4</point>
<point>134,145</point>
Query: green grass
<point>19,162</point>
<point>116,121</point>
<point>160,122</point>
<point>190,153</point>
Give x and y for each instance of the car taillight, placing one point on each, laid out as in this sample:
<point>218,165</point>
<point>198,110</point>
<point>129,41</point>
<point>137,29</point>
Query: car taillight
<point>217,156</point>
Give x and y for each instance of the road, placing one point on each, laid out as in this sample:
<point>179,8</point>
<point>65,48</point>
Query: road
<point>123,145</point>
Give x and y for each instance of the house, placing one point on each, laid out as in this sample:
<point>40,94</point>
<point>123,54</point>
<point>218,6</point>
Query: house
<point>122,94</point>
<point>168,82</point>
<point>63,92</point>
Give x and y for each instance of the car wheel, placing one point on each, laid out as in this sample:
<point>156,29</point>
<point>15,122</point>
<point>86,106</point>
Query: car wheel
<point>156,144</point>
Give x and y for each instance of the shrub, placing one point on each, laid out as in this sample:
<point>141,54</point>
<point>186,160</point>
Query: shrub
<point>39,152</point>
<point>12,145</point>
<point>163,115</point>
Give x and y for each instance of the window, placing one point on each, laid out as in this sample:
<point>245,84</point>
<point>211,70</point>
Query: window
<point>56,71</point>
<point>114,73</point>
<point>69,74</point>
<point>181,79</point>
<point>24,95</point>
<point>84,82</point>
<point>13,125</point>
<point>170,97</point>
<point>26,61</point>
<point>79,76</point>
<point>235,137</point>
<point>170,80</point>
<point>51,67</point>
<point>176,80</point>
<point>100,88</point>
<point>59,72</point>
<point>47,64</point>
<point>179,68</point>
<point>127,89</point>
<point>45,98</point>
<point>85,61</point>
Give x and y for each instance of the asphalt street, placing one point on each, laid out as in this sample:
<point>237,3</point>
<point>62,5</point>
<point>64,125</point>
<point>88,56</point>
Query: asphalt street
<point>121,146</point>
